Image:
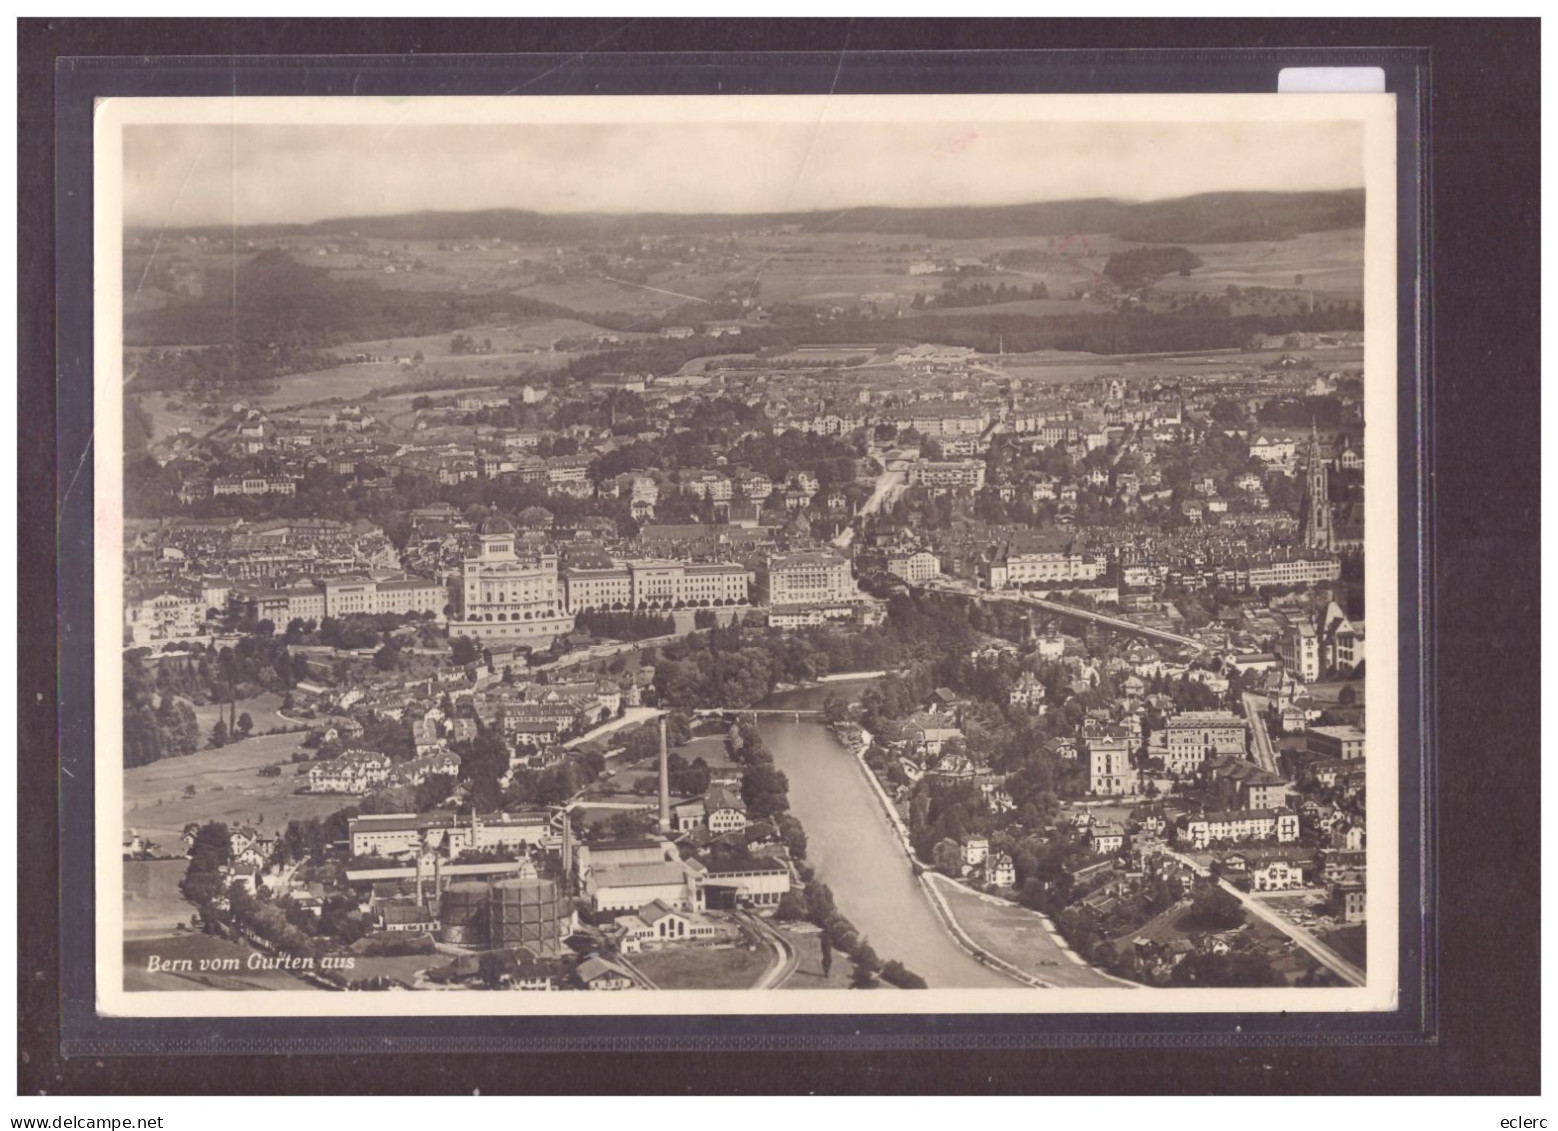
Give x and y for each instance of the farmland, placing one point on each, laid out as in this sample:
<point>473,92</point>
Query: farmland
<point>226,788</point>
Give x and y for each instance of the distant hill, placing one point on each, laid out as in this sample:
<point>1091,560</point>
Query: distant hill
<point>273,300</point>
<point>1230,217</point>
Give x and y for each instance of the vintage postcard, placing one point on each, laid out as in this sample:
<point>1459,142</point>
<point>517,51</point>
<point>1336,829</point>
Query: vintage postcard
<point>743,555</point>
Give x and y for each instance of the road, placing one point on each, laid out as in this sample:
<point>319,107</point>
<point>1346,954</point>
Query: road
<point>786,959</point>
<point>643,979</point>
<point>1260,738</point>
<point>888,485</point>
<point>630,717</point>
<point>1322,953</point>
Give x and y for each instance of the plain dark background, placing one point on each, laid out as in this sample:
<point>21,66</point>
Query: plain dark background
<point>1485,158</point>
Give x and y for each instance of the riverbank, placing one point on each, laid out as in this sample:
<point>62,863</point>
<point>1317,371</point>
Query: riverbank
<point>929,879</point>
<point>856,854</point>
<point>824,680</point>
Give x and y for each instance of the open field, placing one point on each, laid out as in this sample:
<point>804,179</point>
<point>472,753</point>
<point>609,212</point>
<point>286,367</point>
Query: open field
<point>517,338</point>
<point>227,788</point>
<point>165,421</point>
<point>1017,935</point>
<point>808,971</point>
<point>152,901</point>
<point>197,948</point>
<point>403,968</point>
<point>1330,262</point>
<point>1033,307</point>
<point>592,295</point>
<point>263,709</point>
<point>705,968</point>
<point>1331,693</point>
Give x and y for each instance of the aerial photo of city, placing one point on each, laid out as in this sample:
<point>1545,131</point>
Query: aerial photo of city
<point>565,558</point>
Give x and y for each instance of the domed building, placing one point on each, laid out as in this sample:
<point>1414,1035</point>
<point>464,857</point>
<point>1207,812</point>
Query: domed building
<point>506,596</point>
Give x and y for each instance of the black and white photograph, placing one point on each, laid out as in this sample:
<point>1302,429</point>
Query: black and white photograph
<point>746,555</point>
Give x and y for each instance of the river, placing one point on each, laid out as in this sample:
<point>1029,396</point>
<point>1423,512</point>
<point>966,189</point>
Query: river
<point>857,854</point>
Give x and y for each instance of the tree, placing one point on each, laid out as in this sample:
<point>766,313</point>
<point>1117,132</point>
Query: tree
<point>765,791</point>
<point>1217,909</point>
<point>1225,970</point>
<point>434,791</point>
<point>218,735</point>
<point>463,651</point>
<point>948,857</point>
<point>896,974</point>
<point>245,724</point>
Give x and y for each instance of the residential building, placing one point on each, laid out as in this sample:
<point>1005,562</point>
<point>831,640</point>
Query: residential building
<point>1347,900</point>
<point>947,475</point>
<point>1343,742</point>
<point>1278,875</point>
<point>1000,871</point>
<point>1109,767</point>
<point>355,771</point>
<point>914,566</point>
<point>1201,830</point>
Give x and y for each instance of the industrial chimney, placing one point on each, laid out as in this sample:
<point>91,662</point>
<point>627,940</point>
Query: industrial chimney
<point>665,782</point>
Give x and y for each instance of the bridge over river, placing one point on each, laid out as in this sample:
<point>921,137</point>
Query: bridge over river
<point>780,713</point>
<point>1120,624</point>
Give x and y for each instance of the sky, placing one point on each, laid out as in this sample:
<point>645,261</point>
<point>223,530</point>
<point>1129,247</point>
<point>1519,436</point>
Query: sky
<point>188,175</point>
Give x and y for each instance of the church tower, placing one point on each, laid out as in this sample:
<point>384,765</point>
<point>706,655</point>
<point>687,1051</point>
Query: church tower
<point>1318,534</point>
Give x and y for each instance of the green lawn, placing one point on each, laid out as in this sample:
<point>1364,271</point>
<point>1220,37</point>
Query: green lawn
<point>808,971</point>
<point>227,788</point>
<point>705,968</point>
<point>1017,935</point>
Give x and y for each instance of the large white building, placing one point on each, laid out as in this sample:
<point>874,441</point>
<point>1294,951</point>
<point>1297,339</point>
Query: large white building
<point>395,834</point>
<point>163,613</point>
<point>655,584</point>
<point>506,597</point>
<point>810,577</point>
<point>313,599</point>
<point>1294,571</point>
<point>920,565</point>
<point>1042,558</point>
<point>1194,736</point>
<point>626,875</point>
<point>1299,649</point>
<point>1109,766</point>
